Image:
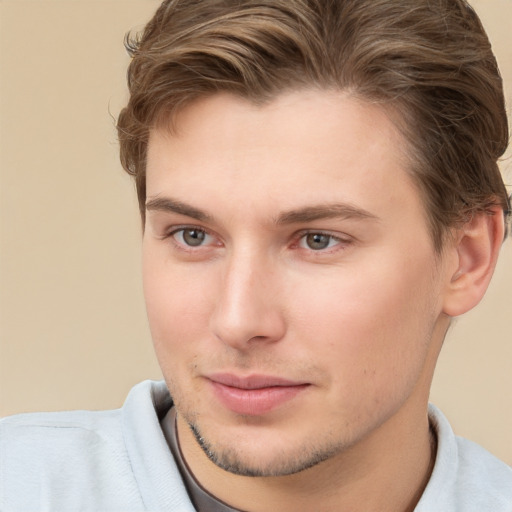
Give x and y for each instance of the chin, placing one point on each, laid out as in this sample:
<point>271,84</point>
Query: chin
<point>271,455</point>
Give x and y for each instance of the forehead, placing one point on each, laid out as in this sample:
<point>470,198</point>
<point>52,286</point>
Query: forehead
<point>302,147</point>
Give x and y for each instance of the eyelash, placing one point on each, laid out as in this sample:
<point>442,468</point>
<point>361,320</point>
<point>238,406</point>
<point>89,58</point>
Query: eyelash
<point>340,243</point>
<point>182,229</point>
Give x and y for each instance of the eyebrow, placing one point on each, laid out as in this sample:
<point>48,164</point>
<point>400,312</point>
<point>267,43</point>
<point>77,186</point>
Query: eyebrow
<point>327,211</point>
<point>165,204</point>
<point>300,215</point>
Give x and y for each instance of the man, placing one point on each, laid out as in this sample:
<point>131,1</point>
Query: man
<point>320,197</point>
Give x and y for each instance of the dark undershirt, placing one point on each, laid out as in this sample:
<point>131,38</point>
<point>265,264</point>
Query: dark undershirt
<point>202,500</point>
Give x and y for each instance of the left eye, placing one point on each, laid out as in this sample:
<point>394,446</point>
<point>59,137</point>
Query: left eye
<point>191,237</point>
<point>318,241</point>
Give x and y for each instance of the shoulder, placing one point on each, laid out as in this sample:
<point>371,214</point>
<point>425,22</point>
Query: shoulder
<point>71,458</point>
<point>482,478</point>
<point>76,430</point>
<point>57,439</point>
<point>466,477</point>
<point>34,426</point>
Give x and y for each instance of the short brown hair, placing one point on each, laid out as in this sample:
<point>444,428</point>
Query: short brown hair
<point>429,60</point>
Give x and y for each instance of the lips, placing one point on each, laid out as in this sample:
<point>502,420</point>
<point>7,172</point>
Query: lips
<point>253,395</point>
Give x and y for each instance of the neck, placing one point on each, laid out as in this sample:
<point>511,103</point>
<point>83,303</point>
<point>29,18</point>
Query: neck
<point>387,471</point>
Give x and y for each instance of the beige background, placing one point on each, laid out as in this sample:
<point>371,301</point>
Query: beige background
<point>73,332</point>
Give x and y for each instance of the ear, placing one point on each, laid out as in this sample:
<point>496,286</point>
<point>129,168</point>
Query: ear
<point>476,249</point>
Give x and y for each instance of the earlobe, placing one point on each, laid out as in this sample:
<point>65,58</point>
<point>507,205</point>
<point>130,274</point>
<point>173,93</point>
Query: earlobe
<point>477,247</point>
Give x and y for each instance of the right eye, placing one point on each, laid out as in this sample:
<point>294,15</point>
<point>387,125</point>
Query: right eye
<point>192,237</point>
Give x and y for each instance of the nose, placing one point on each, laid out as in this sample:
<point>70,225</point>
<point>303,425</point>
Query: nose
<point>249,309</point>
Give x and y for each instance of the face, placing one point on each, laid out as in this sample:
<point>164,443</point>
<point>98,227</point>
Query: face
<point>291,283</point>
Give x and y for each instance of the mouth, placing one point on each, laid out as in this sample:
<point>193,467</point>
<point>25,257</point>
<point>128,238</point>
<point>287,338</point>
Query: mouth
<point>254,395</point>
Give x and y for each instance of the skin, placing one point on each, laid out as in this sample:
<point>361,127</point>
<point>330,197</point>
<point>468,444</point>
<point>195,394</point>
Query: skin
<point>249,289</point>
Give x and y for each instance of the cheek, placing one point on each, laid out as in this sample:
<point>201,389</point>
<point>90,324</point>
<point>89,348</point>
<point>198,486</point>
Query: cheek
<point>178,306</point>
<point>371,325</point>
